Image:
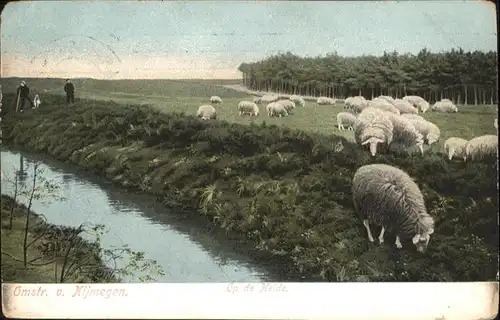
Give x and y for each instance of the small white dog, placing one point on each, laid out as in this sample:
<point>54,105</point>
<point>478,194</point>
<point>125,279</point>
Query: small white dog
<point>36,101</point>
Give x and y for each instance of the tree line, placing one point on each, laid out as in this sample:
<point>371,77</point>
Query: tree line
<point>464,77</point>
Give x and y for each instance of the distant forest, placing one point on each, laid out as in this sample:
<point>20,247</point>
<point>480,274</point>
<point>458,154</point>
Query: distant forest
<point>464,77</point>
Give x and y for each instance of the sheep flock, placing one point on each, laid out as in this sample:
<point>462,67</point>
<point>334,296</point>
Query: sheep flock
<point>382,124</point>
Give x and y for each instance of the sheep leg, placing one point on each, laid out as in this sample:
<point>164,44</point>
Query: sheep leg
<point>381,236</point>
<point>340,127</point>
<point>451,151</point>
<point>398,242</point>
<point>367,227</point>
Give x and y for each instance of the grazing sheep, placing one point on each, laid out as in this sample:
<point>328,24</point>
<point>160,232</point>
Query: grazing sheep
<point>405,107</point>
<point>406,138</point>
<point>326,101</point>
<point>268,98</point>
<point>373,127</point>
<point>480,147</point>
<point>248,107</point>
<point>346,118</point>
<point>495,122</point>
<point>215,99</point>
<point>455,147</point>
<point>388,197</point>
<point>387,98</point>
<point>276,109</point>
<point>418,102</point>
<point>383,105</point>
<point>36,101</point>
<point>429,130</point>
<point>206,112</point>
<point>289,105</point>
<point>444,106</point>
<point>298,100</point>
<point>355,104</point>
<point>257,100</point>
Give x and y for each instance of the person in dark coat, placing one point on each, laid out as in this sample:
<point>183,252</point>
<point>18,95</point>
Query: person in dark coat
<point>23,94</point>
<point>69,88</point>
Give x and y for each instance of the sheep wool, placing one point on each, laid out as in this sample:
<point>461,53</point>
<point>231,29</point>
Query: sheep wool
<point>268,98</point>
<point>405,107</point>
<point>388,197</point>
<point>276,109</point>
<point>387,98</point>
<point>215,99</point>
<point>418,102</point>
<point>325,101</point>
<point>248,107</point>
<point>206,112</point>
<point>346,119</point>
<point>444,106</point>
<point>429,130</point>
<point>480,147</point>
<point>406,138</point>
<point>383,105</point>
<point>455,147</point>
<point>355,104</point>
<point>372,128</point>
<point>412,116</point>
<point>298,100</point>
<point>287,104</point>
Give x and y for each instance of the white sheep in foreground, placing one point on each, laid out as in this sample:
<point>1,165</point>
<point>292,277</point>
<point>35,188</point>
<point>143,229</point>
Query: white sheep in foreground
<point>405,107</point>
<point>387,98</point>
<point>455,147</point>
<point>215,99</point>
<point>248,107</point>
<point>418,102</point>
<point>444,106</point>
<point>406,138</point>
<point>346,119</point>
<point>355,104</point>
<point>383,105</point>
<point>480,147</point>
<point>325,101</point>
<point>276,109</point>
<point>36,101</point>
<point>287,104</point>
<point>372,128</point>
<point>388,197</point>
<point>429,130</point>
<point>206,112</point>
<point>298,100</point>
<point>268,98</point>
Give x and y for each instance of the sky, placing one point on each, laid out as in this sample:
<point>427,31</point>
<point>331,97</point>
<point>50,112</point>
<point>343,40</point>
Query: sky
<point>210,39</point>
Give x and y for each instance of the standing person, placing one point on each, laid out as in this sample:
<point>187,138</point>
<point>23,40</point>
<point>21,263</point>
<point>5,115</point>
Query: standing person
<point>23,94</point>
<point>69,88</point>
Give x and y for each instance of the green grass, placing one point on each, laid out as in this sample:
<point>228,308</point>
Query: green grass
<point>285,190</point>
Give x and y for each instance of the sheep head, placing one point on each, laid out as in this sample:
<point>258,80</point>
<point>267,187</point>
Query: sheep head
<point>373,142</point>
<point>421,241</point>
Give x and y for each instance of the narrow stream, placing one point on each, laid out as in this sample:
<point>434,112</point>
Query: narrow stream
<point>186,250</point>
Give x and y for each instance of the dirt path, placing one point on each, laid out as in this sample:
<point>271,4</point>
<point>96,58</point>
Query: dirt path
<point>241,88</point>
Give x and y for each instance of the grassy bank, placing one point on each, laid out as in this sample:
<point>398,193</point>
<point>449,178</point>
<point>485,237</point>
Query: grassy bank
<point>286,190</point>
<point>46,253</point>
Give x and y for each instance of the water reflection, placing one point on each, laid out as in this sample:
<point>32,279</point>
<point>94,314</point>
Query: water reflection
<point>186,249</point>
